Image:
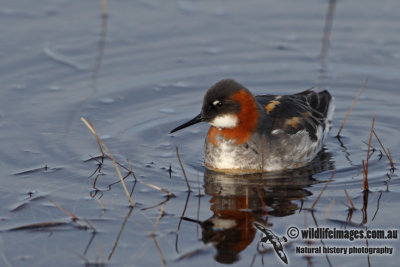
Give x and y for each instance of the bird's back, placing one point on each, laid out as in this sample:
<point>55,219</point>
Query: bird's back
<point>293,113</point>
<point>294,127</point>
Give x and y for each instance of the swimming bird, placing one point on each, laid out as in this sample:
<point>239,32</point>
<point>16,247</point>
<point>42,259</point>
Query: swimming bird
<point>262,133</point>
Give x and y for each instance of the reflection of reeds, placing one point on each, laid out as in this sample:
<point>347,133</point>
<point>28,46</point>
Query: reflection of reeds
<point>153,236</point>
<point>183,170</point>
<point>262,160</point>
<point>180,222</point>
<point>98,191</point>
<point>96,263</point>
<point>162,258</point>
<point>101,45</point>
<point>364,210</point>
<point>323,189</point>
<point>322,242</point>
<point>365,169</point>
<point>40,225</point>
<point>116,164</point>
<point>199,195</point>
<point>327,29</point>
<point>391,159</point>
<point>74,217</point>
<point>351,108</point>
<point>157,205</point>
<point>101,144</point>
<point>368,256</point>
<point>264,207</point>
<point>307,241</point>
<point>384,150</point>
<point>328,210</point>
<point>377,206</point>
<point>160,214</point>
<point>120,233</point>
<point>130,171</point>
<point>103,208</point>
<point>101,252</point>
<point>195,253</point>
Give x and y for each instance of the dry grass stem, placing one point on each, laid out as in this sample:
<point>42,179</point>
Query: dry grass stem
<point>90,225</point>
<point>91,128</point>
<point>183,170</point>
<point>351,108</point>
<point>391,159</point>
<point>323,189</point>
<point>74,217</point>
<point>157,188</point>
<point>365,179</point>
<point>350,201</point>
<point>130,171</point>
<point>98,140</point>
<point>104,8</point>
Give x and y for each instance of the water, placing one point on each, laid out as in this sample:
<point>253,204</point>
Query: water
<point>142,71</point>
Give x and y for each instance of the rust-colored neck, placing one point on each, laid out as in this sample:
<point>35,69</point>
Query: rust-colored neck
<point>248,117</point>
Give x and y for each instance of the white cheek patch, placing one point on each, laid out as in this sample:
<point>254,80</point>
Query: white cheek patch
<point>225,121</point>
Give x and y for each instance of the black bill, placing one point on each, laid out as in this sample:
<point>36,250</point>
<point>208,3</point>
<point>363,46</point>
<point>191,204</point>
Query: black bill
<point>195,120</point>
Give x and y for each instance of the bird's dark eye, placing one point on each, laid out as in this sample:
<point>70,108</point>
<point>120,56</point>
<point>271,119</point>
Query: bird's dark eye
<point>218,103</point>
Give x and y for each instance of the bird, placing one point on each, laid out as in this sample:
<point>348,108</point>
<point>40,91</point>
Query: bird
<point>274,240</point>
<point>262,133</point>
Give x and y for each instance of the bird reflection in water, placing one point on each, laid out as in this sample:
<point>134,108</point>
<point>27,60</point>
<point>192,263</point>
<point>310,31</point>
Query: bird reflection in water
<point>237,202</point>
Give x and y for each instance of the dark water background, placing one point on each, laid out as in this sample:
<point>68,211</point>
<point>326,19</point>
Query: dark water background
<point>142,71</point>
